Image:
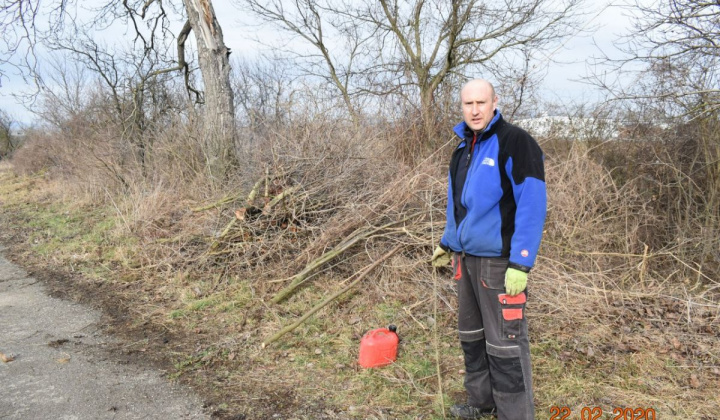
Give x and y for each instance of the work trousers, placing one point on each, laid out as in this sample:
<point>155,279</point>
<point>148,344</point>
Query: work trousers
<point>494,337</point>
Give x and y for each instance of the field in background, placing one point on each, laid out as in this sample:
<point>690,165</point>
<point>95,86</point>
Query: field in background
<point>623,310</point>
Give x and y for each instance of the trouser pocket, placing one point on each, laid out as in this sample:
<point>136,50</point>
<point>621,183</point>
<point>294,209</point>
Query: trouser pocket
<point>492,273</point>
<point>512,317</point>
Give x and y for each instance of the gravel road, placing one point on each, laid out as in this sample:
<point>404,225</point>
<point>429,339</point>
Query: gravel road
<point>55,363</point>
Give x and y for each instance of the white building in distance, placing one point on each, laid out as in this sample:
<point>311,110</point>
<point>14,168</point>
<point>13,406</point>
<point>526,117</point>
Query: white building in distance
<point>577,128</point>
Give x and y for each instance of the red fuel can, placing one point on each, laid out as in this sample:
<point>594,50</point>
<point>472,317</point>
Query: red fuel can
<point>378,347</point>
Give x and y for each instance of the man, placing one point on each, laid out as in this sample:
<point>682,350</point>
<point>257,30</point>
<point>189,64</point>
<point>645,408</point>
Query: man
<point>495,216</point>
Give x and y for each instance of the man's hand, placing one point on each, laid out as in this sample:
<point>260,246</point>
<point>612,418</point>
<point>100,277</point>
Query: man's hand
<point>515,281</point>
<point>440,257</point>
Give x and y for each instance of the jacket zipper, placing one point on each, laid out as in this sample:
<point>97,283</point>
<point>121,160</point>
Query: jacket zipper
<point>469,156</point>
<point>461,227</point>
<point>468,160</point>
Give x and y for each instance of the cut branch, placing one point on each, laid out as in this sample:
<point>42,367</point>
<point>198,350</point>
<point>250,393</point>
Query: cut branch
<point>353,239</point>
<point>337,294</point>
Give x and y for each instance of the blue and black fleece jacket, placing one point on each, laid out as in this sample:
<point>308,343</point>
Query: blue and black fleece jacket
<point>496,194</point>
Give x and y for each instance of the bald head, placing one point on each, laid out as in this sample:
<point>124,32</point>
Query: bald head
<point>478,103</point>
<point>477,84</point>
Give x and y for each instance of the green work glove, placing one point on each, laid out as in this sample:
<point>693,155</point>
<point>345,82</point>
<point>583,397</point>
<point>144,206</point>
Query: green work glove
<point>440,257</point>
<point>515,281</point>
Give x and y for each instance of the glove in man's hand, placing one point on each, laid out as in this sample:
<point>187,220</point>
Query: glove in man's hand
<point>440,257</point>
<point>515,281</point>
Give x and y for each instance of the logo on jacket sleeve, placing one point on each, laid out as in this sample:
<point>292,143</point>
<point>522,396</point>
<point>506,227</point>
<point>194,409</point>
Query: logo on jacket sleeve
<point>524,253</point>
<point>488,161</point>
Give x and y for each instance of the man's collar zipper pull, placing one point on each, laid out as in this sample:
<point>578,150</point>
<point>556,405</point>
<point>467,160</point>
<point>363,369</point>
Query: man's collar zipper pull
<point>470,152</point>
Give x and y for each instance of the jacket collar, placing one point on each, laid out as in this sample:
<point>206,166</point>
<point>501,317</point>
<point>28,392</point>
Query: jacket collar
<point>465,133</point>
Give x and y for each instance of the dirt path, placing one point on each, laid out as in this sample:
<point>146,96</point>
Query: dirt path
<point>63,367</point>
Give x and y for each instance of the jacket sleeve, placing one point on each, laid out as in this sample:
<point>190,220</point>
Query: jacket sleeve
<point>525,168</point>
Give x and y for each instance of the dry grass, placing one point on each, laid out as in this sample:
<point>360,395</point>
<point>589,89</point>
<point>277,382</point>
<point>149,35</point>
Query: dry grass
<point>614,323</point>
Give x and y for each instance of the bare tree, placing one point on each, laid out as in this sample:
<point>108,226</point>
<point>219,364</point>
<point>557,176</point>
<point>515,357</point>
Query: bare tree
<point>336,42</point>
<point>22,30</point>
<point>149,21</point>
<point>215,67</point>
<point>263,92</point>
<point>670,58</point>
<point>213,58</point>
<point>408,48</point>
<point>668,77</point>
<point>436,38</point>
<point>130,90</point>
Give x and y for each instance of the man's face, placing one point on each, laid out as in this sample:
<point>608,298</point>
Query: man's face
<point>478,105</point>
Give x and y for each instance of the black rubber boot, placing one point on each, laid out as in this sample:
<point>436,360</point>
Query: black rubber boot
<point>464,411</point>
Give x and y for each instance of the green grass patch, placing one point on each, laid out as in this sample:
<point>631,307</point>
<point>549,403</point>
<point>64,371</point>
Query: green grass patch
<point>177,313</point>
<point>202,304</point>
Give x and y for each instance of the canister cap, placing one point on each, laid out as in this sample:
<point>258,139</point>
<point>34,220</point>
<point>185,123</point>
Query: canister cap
<point>392,328</point>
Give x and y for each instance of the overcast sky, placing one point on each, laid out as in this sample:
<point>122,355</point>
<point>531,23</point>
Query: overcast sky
<point>560,84</point>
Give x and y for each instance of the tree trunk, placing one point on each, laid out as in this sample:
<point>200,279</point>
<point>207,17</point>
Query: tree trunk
<point>428,114</point>
<point>219,131</point>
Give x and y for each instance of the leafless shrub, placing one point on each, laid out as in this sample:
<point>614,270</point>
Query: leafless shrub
<point>33,156</point>
<point>9,141</point>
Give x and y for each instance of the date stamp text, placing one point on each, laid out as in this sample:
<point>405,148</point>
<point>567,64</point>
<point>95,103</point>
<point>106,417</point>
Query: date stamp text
<point>596,413</point>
